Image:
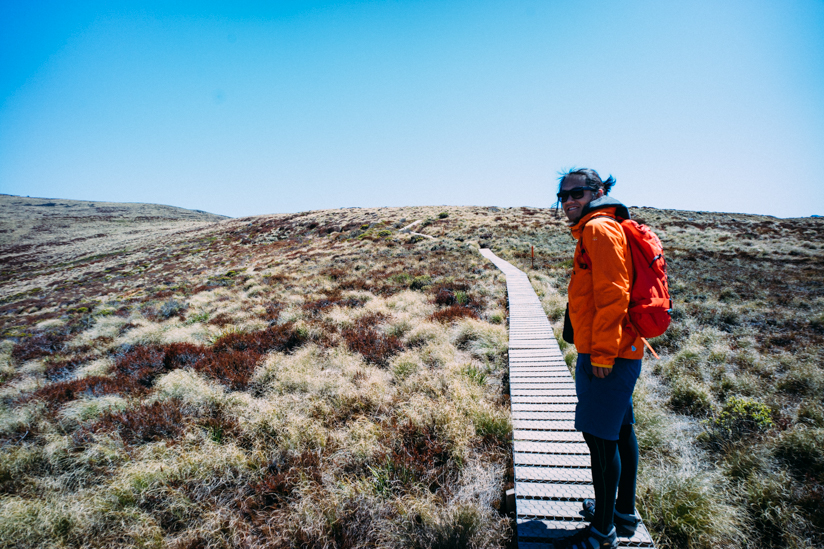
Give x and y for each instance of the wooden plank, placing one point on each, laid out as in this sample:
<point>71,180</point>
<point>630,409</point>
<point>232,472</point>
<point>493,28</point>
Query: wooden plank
<point>531,399</point>
<point>557,436</point>
<point>552,474</point>
<point>551,447</point>
<point>552,460</point>
<point>543,407</point>
<point>544,383</point>
<point>566,416</point>
<point>545,490</point>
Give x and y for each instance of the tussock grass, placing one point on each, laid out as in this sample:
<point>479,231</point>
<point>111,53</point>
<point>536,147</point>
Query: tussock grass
<point>263,382</point>
<point>689,507</point>
<point>739,380</point>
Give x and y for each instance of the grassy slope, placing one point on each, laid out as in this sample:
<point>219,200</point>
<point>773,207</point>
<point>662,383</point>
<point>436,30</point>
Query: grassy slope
<point>731,424</point>
<point>312,379</point>
<point>320,379</point>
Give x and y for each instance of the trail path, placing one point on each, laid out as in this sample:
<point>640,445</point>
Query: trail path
<point>408,230</point>
<point>552,463</point>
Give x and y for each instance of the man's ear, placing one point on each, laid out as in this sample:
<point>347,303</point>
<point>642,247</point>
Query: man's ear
<point>600,193</point>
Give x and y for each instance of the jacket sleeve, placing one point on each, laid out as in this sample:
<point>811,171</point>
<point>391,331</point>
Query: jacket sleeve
<point>611,282</point>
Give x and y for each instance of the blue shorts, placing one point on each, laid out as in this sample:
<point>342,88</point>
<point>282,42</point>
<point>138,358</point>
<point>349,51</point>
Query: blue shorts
<point>604,405</point>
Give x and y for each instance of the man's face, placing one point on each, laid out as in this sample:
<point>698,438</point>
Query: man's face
<point>573,207</point>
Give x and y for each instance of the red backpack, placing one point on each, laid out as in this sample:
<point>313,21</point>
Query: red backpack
<point>650,305</point>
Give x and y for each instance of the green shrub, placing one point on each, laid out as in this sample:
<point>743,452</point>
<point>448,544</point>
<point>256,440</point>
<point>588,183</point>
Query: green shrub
<point>739,418</point>
<point>201,317</point>
<point>554,306</point>
<point>384,233</point>
<point>817,323</point>
<point>671,340</point>
<point>420,282</point>
<point>401,278</point>
<point>559,337</point>
<point>443,215</point>
<point>728,295</point>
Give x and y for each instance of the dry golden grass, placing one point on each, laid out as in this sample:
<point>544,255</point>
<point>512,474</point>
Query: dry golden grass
<point>322,379</point>
<point>275,381</point>
<point>730,419</point>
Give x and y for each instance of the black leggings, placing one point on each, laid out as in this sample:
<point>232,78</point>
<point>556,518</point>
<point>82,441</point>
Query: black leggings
<point>614,468</point>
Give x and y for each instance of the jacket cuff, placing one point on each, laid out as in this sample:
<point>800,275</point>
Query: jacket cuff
<point>601,365</point>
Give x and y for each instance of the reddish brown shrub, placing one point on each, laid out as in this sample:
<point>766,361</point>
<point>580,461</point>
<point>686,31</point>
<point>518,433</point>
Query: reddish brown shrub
<point>375,347</point>
<point>357,284</point>
<point>332,299</point>
<point>230,367</point>
<point>141,364</point>
<point>61,369</point>
<point>221,319</point>
<point>220,426</point>
<point>180,355</point>
<point>233,358</point>
<point>451,287</point>
<point>59,393</point>
<point>281,338</point>
<point>275,279</point>
<point>38,346</point>
<point>417,455</point>
<point>445,296</point>
<point>146,423</point>
<point>421,444</point>
<point>282,476</point>
<point>272,311</point>
<point>335,273</point>
<point>453,313</point>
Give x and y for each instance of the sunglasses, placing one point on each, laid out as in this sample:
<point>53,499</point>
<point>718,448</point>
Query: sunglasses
<point>576,193</point>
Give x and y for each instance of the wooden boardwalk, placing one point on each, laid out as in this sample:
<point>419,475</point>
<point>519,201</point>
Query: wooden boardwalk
<point>552,464</point>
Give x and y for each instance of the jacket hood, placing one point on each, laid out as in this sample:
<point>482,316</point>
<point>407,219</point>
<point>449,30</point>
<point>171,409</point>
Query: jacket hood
<point>606,202</point>
<point>608,205</point>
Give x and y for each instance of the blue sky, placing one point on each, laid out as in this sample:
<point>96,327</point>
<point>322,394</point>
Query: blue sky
<point>245,108</point>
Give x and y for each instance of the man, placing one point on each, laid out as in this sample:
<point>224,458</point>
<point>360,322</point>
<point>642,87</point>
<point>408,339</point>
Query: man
<point>609,356</point>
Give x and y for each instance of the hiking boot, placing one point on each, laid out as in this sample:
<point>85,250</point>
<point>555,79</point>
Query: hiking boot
<point>625,525</point>
<point>588,538</point>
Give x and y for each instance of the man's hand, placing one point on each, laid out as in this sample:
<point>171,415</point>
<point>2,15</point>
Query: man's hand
<point>601,372</point>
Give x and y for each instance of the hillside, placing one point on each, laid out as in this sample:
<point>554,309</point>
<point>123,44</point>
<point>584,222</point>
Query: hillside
<point>323,379</point>
<point>42,234</point>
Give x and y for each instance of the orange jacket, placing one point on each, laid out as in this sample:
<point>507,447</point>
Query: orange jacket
<point>599,290</point>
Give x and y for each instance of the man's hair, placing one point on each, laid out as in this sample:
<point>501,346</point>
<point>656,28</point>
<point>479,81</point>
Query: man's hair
<point>592,179</point>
